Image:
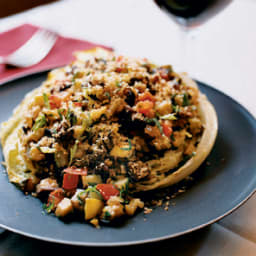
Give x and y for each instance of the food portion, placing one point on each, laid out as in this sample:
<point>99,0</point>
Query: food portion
<point>103,128</point>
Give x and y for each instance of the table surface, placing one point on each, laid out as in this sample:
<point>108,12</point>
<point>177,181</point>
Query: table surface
<point>223,55</point>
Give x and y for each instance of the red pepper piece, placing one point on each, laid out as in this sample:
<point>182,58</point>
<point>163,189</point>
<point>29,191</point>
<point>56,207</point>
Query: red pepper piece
<point>167,129</point>
<point>55,197</point>
<point>76,171</point>
<point>70,181</point>
<point>107,190</point>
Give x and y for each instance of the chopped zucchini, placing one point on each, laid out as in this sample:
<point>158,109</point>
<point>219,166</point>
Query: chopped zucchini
<point>91,180</point>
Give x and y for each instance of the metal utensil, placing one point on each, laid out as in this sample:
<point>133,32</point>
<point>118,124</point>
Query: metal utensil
<point>33,51</point>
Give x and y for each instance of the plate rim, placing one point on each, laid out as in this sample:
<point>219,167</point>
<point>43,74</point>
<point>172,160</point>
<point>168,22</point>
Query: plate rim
<point>142,241</point>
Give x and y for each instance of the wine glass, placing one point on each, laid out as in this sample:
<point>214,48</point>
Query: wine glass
<point>189,15</point>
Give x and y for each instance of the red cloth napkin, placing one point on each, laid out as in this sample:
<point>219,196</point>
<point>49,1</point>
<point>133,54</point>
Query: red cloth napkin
<point>59,55</point>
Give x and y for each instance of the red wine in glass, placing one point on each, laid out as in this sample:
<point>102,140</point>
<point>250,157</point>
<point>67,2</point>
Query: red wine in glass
<point>192,13</point>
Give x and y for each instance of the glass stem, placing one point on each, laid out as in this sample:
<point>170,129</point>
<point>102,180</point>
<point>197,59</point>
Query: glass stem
<point>188,50</point>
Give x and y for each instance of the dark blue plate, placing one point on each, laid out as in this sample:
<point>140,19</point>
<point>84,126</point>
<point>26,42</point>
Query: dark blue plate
<point>220,187</point>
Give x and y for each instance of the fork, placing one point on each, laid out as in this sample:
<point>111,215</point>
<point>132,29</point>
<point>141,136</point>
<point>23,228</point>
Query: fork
<point>33,51</point>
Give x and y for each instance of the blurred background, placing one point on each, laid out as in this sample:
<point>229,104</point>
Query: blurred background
<point>223,54</point>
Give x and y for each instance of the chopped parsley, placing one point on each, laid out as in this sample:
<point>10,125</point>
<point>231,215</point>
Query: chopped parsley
<point>39,122</point>
<point>46,100</point>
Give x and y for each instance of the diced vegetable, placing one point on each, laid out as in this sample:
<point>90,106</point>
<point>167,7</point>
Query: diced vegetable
<point>167,129</point>
<point>91,180</point>
<point>76,171</point>
<point>64,208</point>
<point>47,184</point>
<point>146,96</point>
<point>146,108</point>
<point>107,190</point>
<point>55,197</point>
<point>55,101</point>
<point>39,122</point>
<point>78,199</point>
<point>92,208</point>
<point>118,151</point>
<point>133,205</point>
<point>186,101</point>
<point>70,181</point>
<point>122,183</point>
<point>169,117</point>
<point>95,223</point>
<point>111,212</point>
<point>115,200</point>
<point>46,100</point>
<point>129,147</point>
<point>47,150</point>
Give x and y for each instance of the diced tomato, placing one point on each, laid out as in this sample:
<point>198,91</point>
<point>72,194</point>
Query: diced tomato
<point>146,96</point>
<point>78,104</point>
<point>167,129</point>
<point>70,181</point>
<point>76,171</point>
<point>146,108</point>
<point>55,101</point>
<point>55,197</point>
<point>107,190</point>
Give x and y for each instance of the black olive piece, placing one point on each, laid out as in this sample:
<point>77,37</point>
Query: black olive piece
<point>47,133</point>
<point>25,129</point>
<point>65,87</point>
<point>133,80</point>
<point>130,98</point>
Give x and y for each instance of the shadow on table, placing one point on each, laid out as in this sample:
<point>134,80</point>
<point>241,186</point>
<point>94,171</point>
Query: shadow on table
<point>188,245</point>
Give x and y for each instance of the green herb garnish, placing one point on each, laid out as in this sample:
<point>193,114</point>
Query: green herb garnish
<point>107,215</point>
<point>124,190</point>
<point>169,117</point>
<point>185,100</point>
<point>176,108</point>
<point>39,122</point>
<point>48,207</point>
<point>81,202</point>
<point>46,100</point>
<point>73,152</point>
<point>155,120</point>
<point>87,122</point>
<point>60,111</point>
<point>129,147</point>
<point>71,117</point>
